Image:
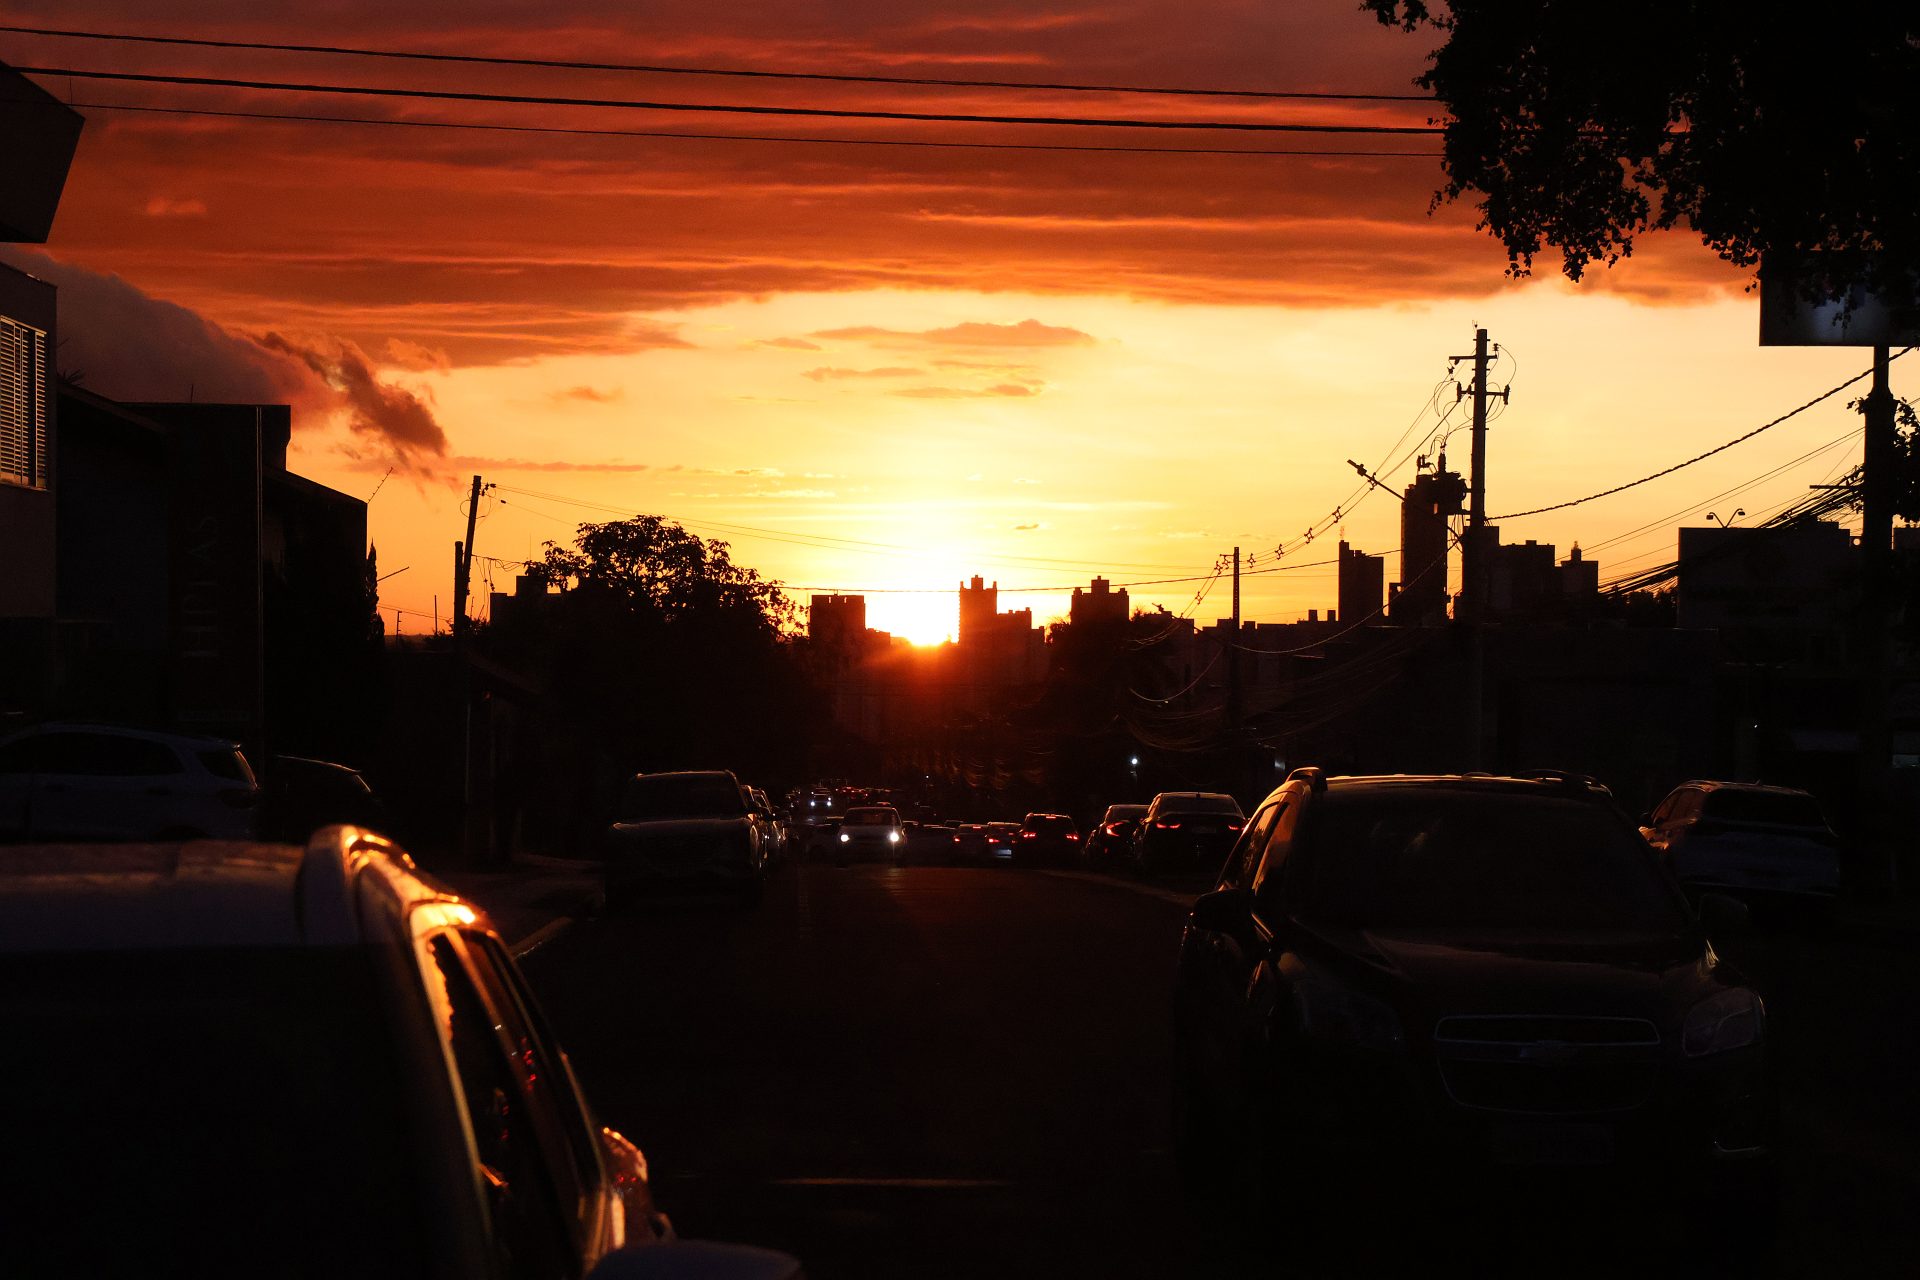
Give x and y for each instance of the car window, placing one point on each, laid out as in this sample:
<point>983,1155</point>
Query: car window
<point>1268,878</point>
<point>1432,858</point>
<point>531,1232</point>
<point>1686,805</point>
<point>681,795</point>
<point>548,1077</point>
<point>105,755</point>
<point>1783,808</point>
<point>1238,871</point>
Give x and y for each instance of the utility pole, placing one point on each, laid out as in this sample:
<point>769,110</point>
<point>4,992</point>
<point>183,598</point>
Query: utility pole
<point>1476,559</point>
<point>1876,617</point>
<point>1233,653</point>
<point>463,563</point>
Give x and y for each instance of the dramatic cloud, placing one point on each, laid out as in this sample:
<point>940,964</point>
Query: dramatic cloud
<point>1011,389</point>
<point>412,355</point>
<point>400,419</point>
<point>1027,333</point>
<point>126,344</point>
<point>465,462</point>
<point>592,395</point>
<point>830,374</point>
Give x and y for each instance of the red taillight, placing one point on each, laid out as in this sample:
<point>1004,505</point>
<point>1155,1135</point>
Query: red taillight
<point>956,839</point>
<point>1073,835</point>
<point>1233,826</point>
<point>1112,828</point>
<point>1166,825</point>
<point>1026,835</point>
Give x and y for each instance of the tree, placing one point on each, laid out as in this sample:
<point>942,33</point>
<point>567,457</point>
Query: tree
<point>1768,128</point>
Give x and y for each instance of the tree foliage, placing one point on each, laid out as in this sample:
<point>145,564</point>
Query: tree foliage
<point>1768,127</point>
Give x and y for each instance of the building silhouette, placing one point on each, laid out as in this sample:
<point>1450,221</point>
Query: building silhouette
<point>1420,597</point>
<point>1098,604</point>
<point>1362,582</point>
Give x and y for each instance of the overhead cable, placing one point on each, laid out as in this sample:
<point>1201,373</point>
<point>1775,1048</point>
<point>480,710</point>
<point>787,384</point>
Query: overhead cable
<point>733,108</point>
<point>568,64</point>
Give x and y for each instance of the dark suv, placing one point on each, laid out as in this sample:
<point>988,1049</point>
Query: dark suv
<point>1458,973</point>
<point>255,1059</point>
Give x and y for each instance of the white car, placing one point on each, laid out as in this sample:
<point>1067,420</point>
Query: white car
<point>872,830</point>
<point>104,782</point>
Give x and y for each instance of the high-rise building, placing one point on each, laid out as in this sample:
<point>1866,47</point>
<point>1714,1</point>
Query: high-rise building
<point>1099,603</point>
<point>1420,599</point>
<point>837,621</point>
<point>979,606</point>
<point>1362,582</point>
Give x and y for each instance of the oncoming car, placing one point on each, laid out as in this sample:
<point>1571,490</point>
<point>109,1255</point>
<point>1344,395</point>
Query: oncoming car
<point>869,831</point>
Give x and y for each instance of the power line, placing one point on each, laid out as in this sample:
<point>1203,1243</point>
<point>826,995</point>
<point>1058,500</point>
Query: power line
<point>744,72</point>
<point>924,143</point>
<point>1700,457</point>
<point>733,108</point>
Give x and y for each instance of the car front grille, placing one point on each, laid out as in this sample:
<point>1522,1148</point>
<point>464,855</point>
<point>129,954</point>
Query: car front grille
<point>1545,1064</point>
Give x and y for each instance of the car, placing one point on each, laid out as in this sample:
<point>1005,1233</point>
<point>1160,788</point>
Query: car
<point>773,831</point>
<point>303,795</point>
<point>870,831</point>
<point>1765,845</point>
<point>311,1061</point>
<point>685,829</point>
<point>1046,838</point>
<point>1438,976</point>
<point>1186,831</point>
<point>1112,837</point>
<point>107,782</point>
<point>980,843</point>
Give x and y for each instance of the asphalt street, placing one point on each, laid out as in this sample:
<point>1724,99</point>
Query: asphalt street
<point>934,1072</point>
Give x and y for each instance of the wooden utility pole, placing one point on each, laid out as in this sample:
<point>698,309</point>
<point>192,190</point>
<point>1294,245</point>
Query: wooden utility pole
<point>1476,565</point>
<point>1874,660</point>
<point>1233,654</point>
<point>463,563</point>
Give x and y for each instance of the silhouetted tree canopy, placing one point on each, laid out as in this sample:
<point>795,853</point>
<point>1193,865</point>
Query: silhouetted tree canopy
<point>1766,127</point>
<point>653,566</point>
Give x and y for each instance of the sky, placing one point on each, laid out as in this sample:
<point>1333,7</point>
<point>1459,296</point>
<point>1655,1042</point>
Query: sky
<point>882,368</point>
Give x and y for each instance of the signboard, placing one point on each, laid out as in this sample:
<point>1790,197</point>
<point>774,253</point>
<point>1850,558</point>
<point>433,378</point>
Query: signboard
<point>1843,316</point>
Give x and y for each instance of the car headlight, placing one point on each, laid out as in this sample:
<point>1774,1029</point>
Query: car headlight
<point>893,837</point>
<point>1730,1020</point>
<point>844,837</point>
<point>1334,1015</point>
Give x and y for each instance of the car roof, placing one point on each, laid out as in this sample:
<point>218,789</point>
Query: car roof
<point>1191,795</point>
<point>1706,784</point>
<point>200,893</point>
<point>199,740</point>
<point>728,774</point>
<point>1565,785</point>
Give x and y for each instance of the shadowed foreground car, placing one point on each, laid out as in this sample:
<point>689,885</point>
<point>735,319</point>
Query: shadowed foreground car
<point>251,1059</point>
<point>694,829</point>
<point>1432,976</point>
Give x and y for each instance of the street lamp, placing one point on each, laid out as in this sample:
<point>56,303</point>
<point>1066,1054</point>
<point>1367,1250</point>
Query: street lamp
<point>1727,523</point>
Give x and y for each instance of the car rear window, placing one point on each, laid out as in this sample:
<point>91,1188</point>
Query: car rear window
<point>234,1105</point>
<point>1051,825</point>
<point>1200,804</point>
<point>1123,812</point>
<point>1780,808</point>
<point>681,795</point>
<point>1435,859</point>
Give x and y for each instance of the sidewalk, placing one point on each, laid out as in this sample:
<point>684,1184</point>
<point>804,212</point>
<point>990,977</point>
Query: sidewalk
<point>534,900</point>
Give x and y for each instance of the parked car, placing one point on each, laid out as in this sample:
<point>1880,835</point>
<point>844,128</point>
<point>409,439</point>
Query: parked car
<point>1186,831</point>
<point>104,782</point>
<point>692,829</point>
<point>304,1061</point>
<point>868,831</point>
<point>302,796</point>
<point>981,843</point>
<point>1763,844</point>
<point>773,831</point>
<point>1112,837</point>
<point>1047,839</point>
<point>1429,976</point>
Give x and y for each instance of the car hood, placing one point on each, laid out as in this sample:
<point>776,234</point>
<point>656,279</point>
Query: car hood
<point>1611,974</point>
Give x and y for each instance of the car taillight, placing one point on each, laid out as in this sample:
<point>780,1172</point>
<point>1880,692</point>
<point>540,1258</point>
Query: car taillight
<point>239,799</point>
<point>1233,826</point>
<point>956,839</point>
<point>1112,828</point>
<point>1166,825</point>
<point>1026,835</point>
<point>1073,835</point>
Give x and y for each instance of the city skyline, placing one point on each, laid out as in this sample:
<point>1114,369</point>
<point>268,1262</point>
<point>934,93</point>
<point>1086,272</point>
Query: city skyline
<point>884,369</point>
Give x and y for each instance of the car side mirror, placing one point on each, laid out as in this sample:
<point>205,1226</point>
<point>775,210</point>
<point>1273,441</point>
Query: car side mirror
<point>695,1260</point>
<point>1228,911</point>
<point>1720,914</point>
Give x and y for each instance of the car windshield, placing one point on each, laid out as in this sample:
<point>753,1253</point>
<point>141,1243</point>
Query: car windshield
<point>1052,825</point>
<point>1470,859</point>
<point>1200,805</point>
<point>1125,812</point>
<point>871,818</point>
<point>681,795</point>
<point>1782,808</point>
<point>243,1105</point>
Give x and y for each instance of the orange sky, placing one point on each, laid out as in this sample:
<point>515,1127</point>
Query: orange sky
<point>877,367</point>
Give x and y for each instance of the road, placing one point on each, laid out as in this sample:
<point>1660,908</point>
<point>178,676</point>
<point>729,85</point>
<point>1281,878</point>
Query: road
<point>954,1072</point>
